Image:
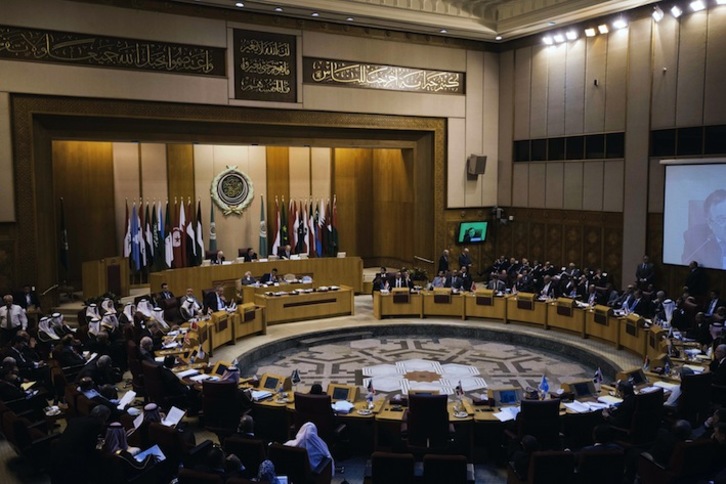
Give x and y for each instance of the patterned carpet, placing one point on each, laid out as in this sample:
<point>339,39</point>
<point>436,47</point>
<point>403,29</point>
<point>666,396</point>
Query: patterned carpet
<point>498,364</point>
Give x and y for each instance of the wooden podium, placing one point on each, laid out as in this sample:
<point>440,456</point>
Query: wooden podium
<point>106,275</point>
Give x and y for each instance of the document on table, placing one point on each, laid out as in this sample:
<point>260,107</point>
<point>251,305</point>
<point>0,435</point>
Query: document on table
<point>155,451</point>
<point>126,399</point>
<point>187,373</point>
<point>258,395</point>
<point>665,385</point>
<point>173,417</point>
<point>610,400</point>
<point>507,414</point>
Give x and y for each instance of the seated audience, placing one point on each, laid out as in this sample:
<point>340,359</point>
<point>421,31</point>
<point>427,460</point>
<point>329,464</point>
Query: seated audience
<point>521,454</point>
<point>72,457</point>
<point>622,415</point>
<point>318,452</point>
<point>248,280</point>
<point>266,472</point>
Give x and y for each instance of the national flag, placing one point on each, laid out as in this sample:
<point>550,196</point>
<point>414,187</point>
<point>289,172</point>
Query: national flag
<point>284,235</point>
<point>370,388</point>
<point>135,240</point>
<point>127,236</point>
<point>296,239</point>
<point>311,229</point>
<point>544,385</point>
<point>295,377</point>
<point>646,363</point>
<point>142,238</point>
<point>177,235</point>
<point>328,234</point>
<point>263,230</point>
<point>63,255</point>
<point>199,235</point>
<point>212,232</point>
<point>276,232</point>
<point>597,380</point>
<point>291,234</point>
<point>191,238</point>
<point>168,239</point>
<point>149,237</point>
<point>334,229</point>
<point>319,228</point>
<point>157,237</point>
<point>459,389</point>
<point>302,230</point>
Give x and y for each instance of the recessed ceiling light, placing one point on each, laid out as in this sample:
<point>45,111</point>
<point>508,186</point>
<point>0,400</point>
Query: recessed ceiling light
<point>559,38</point>
<point>349,19</point>
<point>590,32</point>
<point>443,31</point>
<point>278,9</point>
<point>551,23</point>
<point>547,40</point>
<point>571,35</point>
<point>658,13</point>
<point>676,11</point>
<point>697,5</point>
<point>603,29</point>
<point>619,24</point>
<point>499,37</point>
<point>239,4</point>
<point>315,14</point>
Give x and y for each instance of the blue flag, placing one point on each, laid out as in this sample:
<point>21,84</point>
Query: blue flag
<point>544,385</point>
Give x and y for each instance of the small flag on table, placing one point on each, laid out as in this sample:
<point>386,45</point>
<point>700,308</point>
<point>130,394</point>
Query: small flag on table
<point>646,363</point>
<point>370,387</point>
<point>295,377</point>
<point>459,389</point>
<point>544,385</point>
<point>597,379</point>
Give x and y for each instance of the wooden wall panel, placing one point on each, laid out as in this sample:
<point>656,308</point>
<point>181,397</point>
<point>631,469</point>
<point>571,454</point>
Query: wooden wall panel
<point>616,75</point>
<point>520,184</point>
<point>353,182</point>
<point>522,81</point>
<point>555,185</point>
<point>537,238</point>
<point>320,163</point>
<point>575,87</point>
<point>665,73</point>
<point>278,178</point>
<point>126,183</point>
<point>180,171</point>
<point>553,249</point>
<point>520,238</point>
<point>714,100</point>
<point>154,185</point>
<point>300,173</point>
<point>592,255</point>
<point>556,90</point>
<point>595,95</point>
<point>573,186</point>
<point>691,69</point>
<point>538,89</point>
<point>83,177</point>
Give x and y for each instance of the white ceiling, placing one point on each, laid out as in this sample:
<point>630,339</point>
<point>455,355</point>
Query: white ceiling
<point>468,19</point>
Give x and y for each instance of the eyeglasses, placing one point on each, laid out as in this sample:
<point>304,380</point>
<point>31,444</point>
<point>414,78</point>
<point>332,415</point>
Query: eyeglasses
<point>720,221</point>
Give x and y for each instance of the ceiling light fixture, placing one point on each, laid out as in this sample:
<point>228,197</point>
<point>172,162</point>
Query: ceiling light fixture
<point>349,19</point>
<point>658,13</point>
<point>620,24</point>
<point>499,37</point>
<point>315,14</point>
<point>571,35</point>
<point>590,32</point>
<point>547,40</point>
<point>443,31</point>
<point>278,9</point>
<point>559,38</point>
<point>603,29</point>
<point>697,5</point>
<point>676,11</point>
<point>239,4</point>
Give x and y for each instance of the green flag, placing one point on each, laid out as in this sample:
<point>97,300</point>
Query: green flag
<point>212,232</point>
<point>263,229</point>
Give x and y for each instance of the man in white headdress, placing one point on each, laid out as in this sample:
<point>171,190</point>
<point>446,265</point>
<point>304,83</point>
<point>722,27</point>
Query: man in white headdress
<point>94,325</point>
<point>146,308</point>
<point>159,316</point>
<point>59,325</point>
<point>45,332</point>
<point>92,312</point>
<point>127,316</point>
<point>108,306</point>
<point>190,307</point>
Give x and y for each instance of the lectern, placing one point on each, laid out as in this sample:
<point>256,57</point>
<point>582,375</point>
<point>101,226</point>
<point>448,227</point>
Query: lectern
<point>106,275</point>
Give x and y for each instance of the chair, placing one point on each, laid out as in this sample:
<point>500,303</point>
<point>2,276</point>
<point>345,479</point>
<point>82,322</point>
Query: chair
<point>546,467</point>
<point>601,466</point>
<point>390,468</point>
<point>28,440</point>
<point>646,419</point>
<point>221,408</point>
<point>577,428</point>
<point>694,403</point>
<point>317,409</point>
<point>135,368</point>
<point>250,451</point>
<point>451,469</point>
<point>426,427</point>
<point>154,387</point>
<point>689,461</point>
<point>293,462</point>
<point>540,419</point>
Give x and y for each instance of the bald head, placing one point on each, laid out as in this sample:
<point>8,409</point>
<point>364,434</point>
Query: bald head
<point>104,361</point>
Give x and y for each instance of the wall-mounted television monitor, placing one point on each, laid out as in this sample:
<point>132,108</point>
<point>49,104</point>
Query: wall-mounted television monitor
<point>472,232</point>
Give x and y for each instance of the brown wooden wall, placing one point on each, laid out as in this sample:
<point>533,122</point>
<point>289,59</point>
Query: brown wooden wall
<point>83,177</point>
<point>180,172</point>
<point>353,183</point>
<point>278,185</point>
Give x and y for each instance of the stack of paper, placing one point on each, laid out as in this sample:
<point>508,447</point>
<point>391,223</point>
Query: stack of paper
<point>173,417</point>
<point>610,400</point>
<point>507,414</point>
<point>187,373</point>
<point>343,407</point>
<point>665,385</point>
<point>126,399</point>
<point>258,395</point>
<point>155,451</point>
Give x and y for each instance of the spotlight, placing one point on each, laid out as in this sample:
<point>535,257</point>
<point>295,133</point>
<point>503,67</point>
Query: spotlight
<point>620,24</point>
<point>697,5</point>
<point>443,31</point>
<point>676,11</point>
<point>499,37</point>
<point>559,38</point>
<point>315,14</point>
<point>657,13</point>
<point>239,4</point>
<point>603,29</point>
<point>349,19</point>
<point>278,9</point>
<point>547,40</point>
<point>590,32</point>
<point>571,35</point>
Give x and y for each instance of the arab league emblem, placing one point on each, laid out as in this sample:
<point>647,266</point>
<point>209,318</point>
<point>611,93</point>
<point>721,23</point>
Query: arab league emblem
<point>232,191</point>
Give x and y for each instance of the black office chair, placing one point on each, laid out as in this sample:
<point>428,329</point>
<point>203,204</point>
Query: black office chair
<point>540,419</point>
<point>317,409</point>
<point>426,428</point>
<point>645,421</point>
<point>601,466</point>
<point>449,469</point>
<point>694,404</point>
<point>220,407</point>
<point>293,462</point>
<point>390,468</point>
<point>546,467</point>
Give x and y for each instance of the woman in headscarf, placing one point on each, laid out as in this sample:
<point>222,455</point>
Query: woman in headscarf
<point>318,452</point>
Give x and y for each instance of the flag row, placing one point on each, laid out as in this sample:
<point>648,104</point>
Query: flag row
<point>306,226</point>
<point>163,240</point>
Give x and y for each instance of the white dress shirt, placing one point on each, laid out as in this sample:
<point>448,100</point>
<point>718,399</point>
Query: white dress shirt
<point>13,317</point>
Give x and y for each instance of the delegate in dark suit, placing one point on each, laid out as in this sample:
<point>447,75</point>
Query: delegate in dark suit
<point>214,301</point>
<point>645,273</point>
